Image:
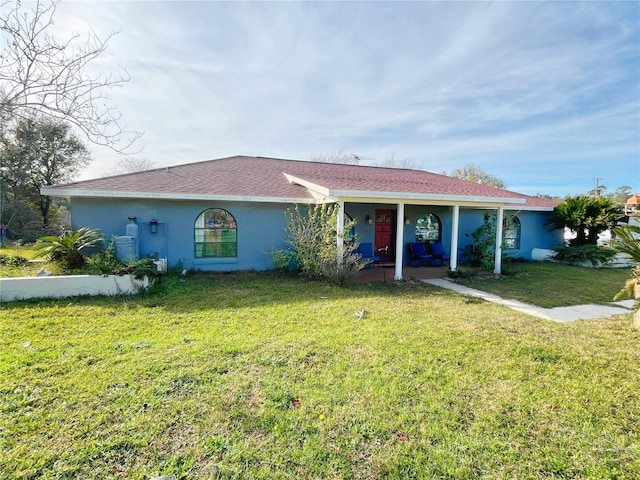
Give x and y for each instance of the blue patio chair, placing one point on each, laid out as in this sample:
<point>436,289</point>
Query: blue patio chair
<point>437,250</point>
<point>418,255</point>
<point>365,249</point>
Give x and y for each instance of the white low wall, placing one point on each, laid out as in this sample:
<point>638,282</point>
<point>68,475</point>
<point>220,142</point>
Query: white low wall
<point>540,254</point>
<point>621,260</point>
<point>22,288</point>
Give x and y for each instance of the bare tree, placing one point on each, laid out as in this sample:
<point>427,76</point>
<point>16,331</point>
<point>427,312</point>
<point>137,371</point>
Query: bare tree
<point>129,165</point>
<point>340,157</point>
<point>40,75</point>
<point>476,174</point>
<point>354,159</point>
<point>393,162</point>
<point>620,195</point>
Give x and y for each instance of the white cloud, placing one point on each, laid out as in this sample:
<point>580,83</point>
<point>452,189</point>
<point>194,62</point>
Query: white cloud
<point>550,87</point>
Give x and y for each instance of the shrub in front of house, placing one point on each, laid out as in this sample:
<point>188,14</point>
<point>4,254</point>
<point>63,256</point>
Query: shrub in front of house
<point>312,240</point>
<point>578,254</point>
<point>67,250</point>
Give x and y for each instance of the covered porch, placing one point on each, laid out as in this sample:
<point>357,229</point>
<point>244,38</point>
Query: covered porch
<point>388,209</point>
<point>391,228</point>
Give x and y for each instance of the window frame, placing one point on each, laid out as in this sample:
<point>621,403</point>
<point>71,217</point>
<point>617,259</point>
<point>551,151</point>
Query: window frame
<point>200,250</point>
<point>426,237</point>
<point>513,220</point>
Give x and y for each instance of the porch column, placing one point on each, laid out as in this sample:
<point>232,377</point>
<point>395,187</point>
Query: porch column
<point>399,241</point>
<point>500,218</point>
<point>340,232</point>
<point>455,221</point>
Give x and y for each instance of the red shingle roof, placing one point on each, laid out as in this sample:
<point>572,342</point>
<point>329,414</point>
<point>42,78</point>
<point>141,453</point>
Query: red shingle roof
<point>242,176</point>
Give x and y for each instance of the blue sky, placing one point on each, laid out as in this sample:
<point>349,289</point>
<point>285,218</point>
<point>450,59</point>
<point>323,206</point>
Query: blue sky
<point>544,95</point>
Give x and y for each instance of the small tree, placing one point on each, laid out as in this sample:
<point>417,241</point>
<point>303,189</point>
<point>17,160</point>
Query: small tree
<point>312,238</point>
<point>481,253</point>
<point>36,153</point>
<point>67,250</point>
<point>586,216</point>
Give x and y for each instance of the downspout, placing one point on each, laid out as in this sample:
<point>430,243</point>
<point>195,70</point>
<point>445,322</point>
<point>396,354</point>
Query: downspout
<point>455,226</point>
<point>399,241</point>
<point>498,265</point>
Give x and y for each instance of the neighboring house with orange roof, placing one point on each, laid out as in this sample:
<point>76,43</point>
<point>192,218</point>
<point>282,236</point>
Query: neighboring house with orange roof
<point>632,205</point>
<point>228,214</point>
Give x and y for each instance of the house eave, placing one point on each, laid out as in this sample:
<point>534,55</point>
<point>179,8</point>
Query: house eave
<point>322,196</point>
<point>530,209</point>
<point>325,194</point>
<point>424,198</point>
<point>75,192</point>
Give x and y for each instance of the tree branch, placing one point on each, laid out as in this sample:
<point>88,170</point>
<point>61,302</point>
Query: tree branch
<point>41,76</point>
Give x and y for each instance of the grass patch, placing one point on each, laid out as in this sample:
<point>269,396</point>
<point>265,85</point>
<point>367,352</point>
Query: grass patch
<point>549,284</point>
<point>263,376</point>
<point>11,268</point>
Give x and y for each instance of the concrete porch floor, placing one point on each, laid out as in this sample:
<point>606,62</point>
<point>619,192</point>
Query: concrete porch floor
<point>385,274</point>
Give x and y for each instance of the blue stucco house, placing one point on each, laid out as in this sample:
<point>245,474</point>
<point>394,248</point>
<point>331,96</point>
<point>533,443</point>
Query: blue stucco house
<point>228,214</point>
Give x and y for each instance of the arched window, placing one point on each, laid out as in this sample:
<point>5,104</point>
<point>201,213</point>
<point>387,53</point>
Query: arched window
<point>428,228</point>
<point>512,232</point>
<point>349,228</point>
<point>215,234</point>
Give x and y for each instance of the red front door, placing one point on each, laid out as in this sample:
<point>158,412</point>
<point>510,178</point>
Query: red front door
<point>385,226</point>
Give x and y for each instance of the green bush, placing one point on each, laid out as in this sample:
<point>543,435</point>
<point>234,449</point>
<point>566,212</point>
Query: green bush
<point>104,262</point>
<point>67,250</point>
<point>312,238</point>
<point>144,267</point>
<point>481,253</point>
<point>11,261</point>
<point>581,253</point>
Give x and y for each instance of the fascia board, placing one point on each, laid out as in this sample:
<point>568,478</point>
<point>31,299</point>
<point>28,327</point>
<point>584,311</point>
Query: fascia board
<point>531,209</point>
<point>423,198</point>
<point>312,187</point>
<point>373,196</point>
<point>74,192</point>
<point>318,197</point>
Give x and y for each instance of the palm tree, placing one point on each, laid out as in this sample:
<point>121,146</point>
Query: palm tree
<point>587,216</point>
<point>67,250</point>
<point>627,240</point>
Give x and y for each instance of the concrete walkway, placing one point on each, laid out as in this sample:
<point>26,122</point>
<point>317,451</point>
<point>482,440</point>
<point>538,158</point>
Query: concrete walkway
<point>558,314</point>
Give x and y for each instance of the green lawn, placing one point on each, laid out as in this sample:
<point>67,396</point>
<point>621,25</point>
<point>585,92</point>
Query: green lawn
<point>549,284</point>
<point>8,268</point>
<point>261,376</point>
